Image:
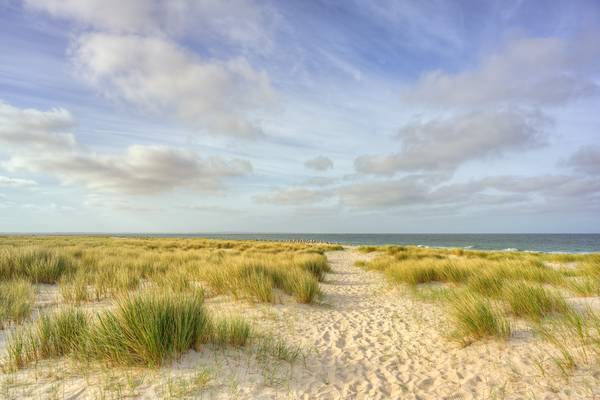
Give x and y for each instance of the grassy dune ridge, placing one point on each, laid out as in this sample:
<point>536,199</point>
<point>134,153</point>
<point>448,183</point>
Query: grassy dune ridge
<point>153,291</point>
<point>489,294</point>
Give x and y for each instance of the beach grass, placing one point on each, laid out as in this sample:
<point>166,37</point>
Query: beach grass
<point>17,298</point>
<point>533,301</point>
<point>143,330</point>
<point>153,292</point>
<point>148,329</point>
<point>475,318</point>
<point>486,289</point>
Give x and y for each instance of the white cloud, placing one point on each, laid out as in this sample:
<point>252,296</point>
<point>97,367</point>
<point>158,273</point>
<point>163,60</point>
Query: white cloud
<point>547,191</point>
<point>319,163</point>
<point>532,71</point>
<point>159,76</point>
<point>138,170</point>
<point>6,181</point>
<point>34,128</point>
<point>443,144</point>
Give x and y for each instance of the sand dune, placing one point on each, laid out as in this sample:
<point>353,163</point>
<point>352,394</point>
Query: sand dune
<point>367,341</point>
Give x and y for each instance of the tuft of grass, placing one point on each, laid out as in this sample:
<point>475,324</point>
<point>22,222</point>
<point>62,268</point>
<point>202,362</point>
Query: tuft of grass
<point>256,279</point>
<point>52,335</point>
<point>486,284</point>
<point>317,265</point>
<point>269,346</point>
<point>304,287</point>
<point>233,331</point>
<point>149,329</point>
<point>257,282</point>
<point>367,249</point>
<point>144,330</point>
<point>422,271</point>
<point>16,301</point>
<point>533,302</point>
<point>475,318</point>
<point>75,290</point>
<point>584,286</point>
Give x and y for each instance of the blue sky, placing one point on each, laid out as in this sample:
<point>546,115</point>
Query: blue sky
<point>299,116</point>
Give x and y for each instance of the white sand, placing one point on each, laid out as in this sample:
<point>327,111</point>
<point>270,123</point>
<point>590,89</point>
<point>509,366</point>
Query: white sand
<point>367,342</point>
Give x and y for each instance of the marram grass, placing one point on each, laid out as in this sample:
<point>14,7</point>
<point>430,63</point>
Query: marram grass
<point>37,265</point>
<point>533,301</point>
<point>149,329</point>
<point>475,317</point>
<point>144,330</point>
<point>485,290</point>
<point>16,301</point>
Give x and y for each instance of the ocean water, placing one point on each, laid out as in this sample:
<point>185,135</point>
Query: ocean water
<point>564,243</point>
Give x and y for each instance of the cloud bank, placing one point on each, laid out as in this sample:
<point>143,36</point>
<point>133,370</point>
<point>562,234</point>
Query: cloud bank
<point>39,145</point>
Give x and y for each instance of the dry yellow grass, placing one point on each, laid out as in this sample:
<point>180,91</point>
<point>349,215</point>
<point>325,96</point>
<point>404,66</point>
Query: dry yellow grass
<point>155,289</point>
<point>485,290</point>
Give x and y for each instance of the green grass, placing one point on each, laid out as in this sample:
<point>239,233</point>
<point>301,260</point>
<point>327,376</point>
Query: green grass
<point>75,290</point>
<point>37,265</point>
<point>16,301</point>
<point>533,302</point>
<point>233,331</point>
<point>256,279</point>
<point>584,286</point>
<point>368,249</point>
<point>476,318</point>
<point>52,335</point>
<point>316,265</point>
<point>149,329</point>
<point>486,284</point>
<point>269,346</point>
<point>304,287</point>
<point>144,330</point>
<point>414,273</point>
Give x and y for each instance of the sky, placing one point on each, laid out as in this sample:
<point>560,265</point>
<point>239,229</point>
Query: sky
<point>315,116</point>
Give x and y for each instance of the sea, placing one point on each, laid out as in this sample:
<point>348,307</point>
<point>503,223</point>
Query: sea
<point>550,243</point>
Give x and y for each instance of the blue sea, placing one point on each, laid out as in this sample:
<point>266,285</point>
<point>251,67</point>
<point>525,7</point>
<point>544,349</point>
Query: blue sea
<point>560,243</point>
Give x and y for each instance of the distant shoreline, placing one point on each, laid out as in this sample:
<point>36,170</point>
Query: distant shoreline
<point>532,242</point>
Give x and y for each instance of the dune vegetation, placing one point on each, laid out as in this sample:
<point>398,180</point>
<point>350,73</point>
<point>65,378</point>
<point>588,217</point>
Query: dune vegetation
<point>491,294</point>
<point>141,302</point>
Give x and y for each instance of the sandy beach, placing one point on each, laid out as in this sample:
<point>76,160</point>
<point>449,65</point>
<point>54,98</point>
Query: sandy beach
<point>367,340</point>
